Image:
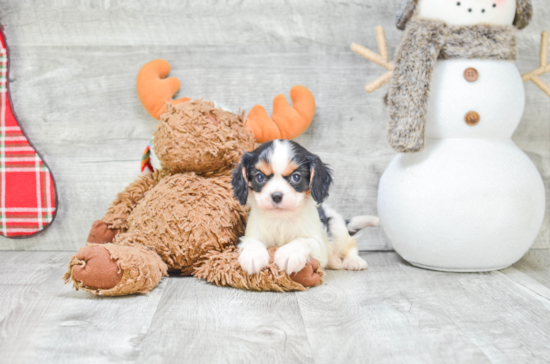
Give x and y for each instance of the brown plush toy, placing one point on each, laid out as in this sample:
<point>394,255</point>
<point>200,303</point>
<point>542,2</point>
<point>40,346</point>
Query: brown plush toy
<point>184,216</point>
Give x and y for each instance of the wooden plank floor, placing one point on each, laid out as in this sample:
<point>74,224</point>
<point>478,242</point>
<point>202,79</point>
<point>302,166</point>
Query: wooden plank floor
<point>391,313</point>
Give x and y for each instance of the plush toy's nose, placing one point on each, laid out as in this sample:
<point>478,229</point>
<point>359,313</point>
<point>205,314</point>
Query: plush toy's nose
<point>277,197</point>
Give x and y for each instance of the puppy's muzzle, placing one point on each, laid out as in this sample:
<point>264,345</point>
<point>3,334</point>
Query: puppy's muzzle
<point>277,197</point>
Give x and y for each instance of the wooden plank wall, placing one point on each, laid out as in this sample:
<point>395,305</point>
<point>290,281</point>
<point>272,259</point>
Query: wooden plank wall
<point>73,85</point>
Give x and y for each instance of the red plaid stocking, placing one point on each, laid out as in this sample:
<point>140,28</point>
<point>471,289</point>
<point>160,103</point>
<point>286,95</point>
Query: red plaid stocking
<point>27,191</point>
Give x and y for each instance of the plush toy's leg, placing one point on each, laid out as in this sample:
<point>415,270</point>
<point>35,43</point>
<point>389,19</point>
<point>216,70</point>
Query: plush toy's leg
<point>223,269</point>
<point>117,214</point>
<point>115,270</point>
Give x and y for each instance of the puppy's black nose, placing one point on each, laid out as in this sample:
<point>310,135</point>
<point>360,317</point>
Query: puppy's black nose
<point>277,197</point>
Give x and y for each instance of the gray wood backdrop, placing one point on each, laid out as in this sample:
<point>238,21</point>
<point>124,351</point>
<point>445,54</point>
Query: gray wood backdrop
<point>73,68</point>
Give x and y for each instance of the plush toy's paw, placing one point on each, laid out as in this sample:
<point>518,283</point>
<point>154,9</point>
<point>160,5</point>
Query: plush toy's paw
<point>97,270</point>
<point>253,259</point>
<point>115,270</point>
<point>223,269</point>
<point>354,262</point>
<point>289,259</point>
<point>100,233</point>
<point>308,276</point>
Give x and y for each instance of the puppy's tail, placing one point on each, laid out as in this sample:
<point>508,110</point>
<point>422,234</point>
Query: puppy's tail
<point>338,227</point>
<point>360,222</point>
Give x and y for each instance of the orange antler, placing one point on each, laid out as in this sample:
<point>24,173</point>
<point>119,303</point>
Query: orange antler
<point>286,122</point>
<point>544,66</point>
<point>154,90</point>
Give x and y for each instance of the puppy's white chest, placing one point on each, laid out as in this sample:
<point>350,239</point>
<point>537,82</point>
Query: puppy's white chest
<point>274,230</point>
<point>278,232</point>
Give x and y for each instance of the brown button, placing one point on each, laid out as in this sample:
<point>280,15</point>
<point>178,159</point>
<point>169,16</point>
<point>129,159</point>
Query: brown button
<point>471,74</point>
<point>472,118</point>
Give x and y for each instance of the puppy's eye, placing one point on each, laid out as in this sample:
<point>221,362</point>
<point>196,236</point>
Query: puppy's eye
<point>296,177</point>
<point>260,178</point>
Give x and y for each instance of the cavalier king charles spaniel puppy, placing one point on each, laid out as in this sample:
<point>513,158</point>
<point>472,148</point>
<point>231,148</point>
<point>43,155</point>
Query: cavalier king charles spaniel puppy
<point>288,185</point>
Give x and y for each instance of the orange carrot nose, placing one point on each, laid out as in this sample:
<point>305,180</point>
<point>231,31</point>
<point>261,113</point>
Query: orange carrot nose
<point>154,90</point>
<point>286,122</point>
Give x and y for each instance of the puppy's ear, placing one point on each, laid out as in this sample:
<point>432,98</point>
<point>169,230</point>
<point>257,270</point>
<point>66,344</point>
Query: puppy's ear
<point>240,180</point>
<point>320,179</point>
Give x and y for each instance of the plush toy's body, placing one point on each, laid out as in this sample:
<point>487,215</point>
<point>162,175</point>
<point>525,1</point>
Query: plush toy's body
<point>183,217</point>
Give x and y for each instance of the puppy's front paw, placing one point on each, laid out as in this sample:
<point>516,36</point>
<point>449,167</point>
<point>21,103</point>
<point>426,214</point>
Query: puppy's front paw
<point>334,262</point>
<point>289,260</point>
<point>354,262</point>
<point>253,259</point>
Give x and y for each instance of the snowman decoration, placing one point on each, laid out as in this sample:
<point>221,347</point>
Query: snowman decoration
<point>460,195</point>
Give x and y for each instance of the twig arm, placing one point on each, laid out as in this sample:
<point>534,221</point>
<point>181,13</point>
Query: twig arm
<point>541,84</point>
<point>382,45</point>
<point>382,59</point>
<point>371,56</point>
<point>544,49</point>
<point>544,66</point>
<point>379,82</point>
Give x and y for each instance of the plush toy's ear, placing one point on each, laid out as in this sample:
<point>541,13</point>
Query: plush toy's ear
<point>320,180</point>
<point>286,122</point>
<point>154,90</point>
<point>524,12</point>
<point>405,12</point>
<point>240,179</point>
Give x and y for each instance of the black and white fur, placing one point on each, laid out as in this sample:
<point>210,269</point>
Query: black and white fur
<point>288,185</point>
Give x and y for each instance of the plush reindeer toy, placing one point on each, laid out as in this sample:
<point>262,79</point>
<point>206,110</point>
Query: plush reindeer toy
<point>184,217</point>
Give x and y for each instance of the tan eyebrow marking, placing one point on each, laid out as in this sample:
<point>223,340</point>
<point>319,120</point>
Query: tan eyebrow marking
<point>291,167</point>
<point>265,168</point>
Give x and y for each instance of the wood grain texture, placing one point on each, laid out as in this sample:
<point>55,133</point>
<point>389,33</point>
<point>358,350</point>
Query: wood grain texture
<point>43,320</point>
<point>201,323</point>
<point>397,313</point>
<point>390,313</point>
<point>73,73</point>
<point>536,264</point>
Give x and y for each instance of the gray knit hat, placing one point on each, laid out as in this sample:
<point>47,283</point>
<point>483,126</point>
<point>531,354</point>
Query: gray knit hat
<point>406,10</point>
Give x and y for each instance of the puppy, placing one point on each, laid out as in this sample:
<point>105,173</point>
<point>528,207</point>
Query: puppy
<point>288,186</point>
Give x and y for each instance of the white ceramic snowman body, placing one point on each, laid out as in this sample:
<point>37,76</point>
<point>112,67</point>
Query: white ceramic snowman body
<point>471,200</point>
